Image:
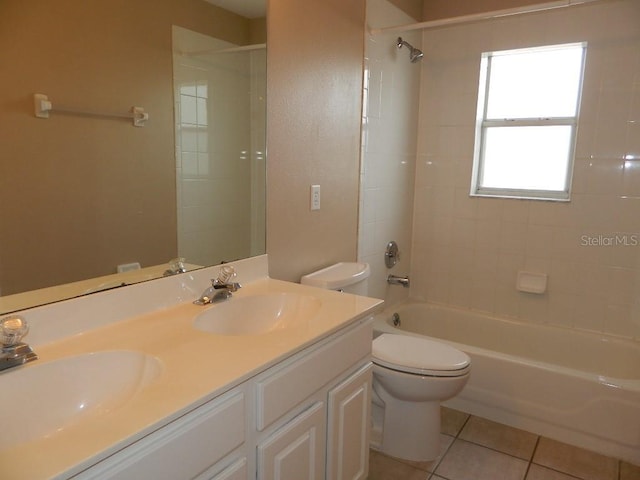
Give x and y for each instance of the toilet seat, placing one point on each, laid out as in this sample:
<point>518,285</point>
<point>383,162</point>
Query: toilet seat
<point>419,356</point>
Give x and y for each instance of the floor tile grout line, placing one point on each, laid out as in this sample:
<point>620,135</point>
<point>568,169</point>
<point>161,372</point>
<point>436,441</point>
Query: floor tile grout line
<point>455,438</point>
<point>496,450</point>
<point>533,453</point>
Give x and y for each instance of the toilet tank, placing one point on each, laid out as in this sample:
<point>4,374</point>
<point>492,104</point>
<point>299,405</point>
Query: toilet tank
<point>350,277</point>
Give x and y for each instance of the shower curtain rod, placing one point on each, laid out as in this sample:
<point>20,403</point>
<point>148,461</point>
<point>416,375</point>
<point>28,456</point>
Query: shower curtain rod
<point>242,48</point>
<point>474,17</point>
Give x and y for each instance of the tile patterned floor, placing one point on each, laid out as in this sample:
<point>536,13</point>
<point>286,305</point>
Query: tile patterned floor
<point>473,448</point>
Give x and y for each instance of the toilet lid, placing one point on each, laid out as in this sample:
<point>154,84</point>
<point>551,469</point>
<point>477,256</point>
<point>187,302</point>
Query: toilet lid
<point>419,355</point>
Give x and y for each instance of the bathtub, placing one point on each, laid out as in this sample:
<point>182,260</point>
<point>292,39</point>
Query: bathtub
<point>574,386</point>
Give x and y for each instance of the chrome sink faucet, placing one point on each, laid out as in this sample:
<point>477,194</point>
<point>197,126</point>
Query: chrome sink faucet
<point>221,288</point>
<point>14,351</point>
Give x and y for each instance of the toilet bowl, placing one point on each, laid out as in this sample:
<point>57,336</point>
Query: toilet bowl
<point>411,376</point>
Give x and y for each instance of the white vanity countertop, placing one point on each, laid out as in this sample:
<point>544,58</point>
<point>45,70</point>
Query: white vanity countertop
<point>196,367</point>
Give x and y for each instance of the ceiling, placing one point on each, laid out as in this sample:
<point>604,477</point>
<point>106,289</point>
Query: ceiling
<point>246,8</point>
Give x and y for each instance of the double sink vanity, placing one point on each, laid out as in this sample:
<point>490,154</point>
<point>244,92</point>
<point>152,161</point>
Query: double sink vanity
<point>135,383</point>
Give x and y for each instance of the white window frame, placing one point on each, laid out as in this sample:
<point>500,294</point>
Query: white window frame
<point>482,124</point>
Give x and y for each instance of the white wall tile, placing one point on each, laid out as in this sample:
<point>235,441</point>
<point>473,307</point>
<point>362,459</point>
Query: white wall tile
<point>592,287</point>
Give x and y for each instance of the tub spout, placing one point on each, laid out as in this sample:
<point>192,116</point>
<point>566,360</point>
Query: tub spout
<point>397,280</point>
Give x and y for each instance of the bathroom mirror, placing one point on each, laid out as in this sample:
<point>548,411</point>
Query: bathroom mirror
<point>84,193</point>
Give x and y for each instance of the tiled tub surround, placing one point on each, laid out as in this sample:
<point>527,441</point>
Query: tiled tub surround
<point>391,85</point>
<point>474,448</point>
<point>578,387</point>
<point>155,318</point>
<point>468,250</point>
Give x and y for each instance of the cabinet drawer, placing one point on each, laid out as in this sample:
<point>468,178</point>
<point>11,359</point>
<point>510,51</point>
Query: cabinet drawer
<point>182,449</point>
<point>280,392</point>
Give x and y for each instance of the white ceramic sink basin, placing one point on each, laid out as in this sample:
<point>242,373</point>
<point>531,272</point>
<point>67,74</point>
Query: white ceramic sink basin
<point>258,314</point>
<point>40,400</point>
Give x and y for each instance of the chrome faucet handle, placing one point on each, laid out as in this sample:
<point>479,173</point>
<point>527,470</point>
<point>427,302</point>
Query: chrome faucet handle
<point>12,330</point>
<point>226,274</point>
<point>175,266</point>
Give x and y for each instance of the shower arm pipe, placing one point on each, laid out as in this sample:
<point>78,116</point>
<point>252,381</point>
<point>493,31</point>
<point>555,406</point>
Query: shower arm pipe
<point>476,17</point>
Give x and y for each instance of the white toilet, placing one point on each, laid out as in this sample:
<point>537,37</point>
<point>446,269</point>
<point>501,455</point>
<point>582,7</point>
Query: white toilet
<point>411,376</point>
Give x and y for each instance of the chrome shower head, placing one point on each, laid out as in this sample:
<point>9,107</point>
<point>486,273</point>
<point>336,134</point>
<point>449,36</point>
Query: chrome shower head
<point>415,54</point>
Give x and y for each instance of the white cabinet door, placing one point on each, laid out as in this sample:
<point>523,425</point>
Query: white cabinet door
<point>297,450</point>
<point>348,427</point>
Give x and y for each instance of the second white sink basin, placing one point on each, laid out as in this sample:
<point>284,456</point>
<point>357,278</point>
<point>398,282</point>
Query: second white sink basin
<point>258,314</point>
<point>40,400</point>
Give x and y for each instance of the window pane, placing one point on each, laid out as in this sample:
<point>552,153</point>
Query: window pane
<point>535,158</point>
<point>535,83</point>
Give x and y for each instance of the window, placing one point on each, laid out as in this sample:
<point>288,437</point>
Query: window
<point>528,103</point>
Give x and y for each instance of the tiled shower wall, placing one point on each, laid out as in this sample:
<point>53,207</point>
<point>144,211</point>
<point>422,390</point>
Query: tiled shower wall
<point>467,250</point>
<point>389,149</point>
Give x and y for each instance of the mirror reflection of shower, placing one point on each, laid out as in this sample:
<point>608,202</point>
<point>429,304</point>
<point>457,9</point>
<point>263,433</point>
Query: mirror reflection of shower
<point>415,55</point>
<point>220,111</point>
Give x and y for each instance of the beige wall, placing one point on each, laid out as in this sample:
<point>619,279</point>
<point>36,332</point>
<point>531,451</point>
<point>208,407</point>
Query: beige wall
<point>413,8</point>
<point>314,89</point>
<point>94,192</point>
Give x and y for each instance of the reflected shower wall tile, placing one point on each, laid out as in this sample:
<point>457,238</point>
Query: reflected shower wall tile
<point>189,163</point>
<point>203,164</point>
